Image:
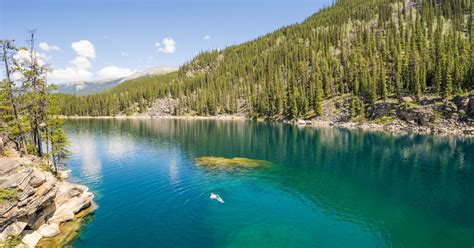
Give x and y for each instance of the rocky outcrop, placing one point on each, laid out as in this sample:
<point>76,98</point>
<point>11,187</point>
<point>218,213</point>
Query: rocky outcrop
<point>163,107</point>
<point>418,116</point>
<point>379,110</point>
<point>41,203</point>
<point>428,115</point>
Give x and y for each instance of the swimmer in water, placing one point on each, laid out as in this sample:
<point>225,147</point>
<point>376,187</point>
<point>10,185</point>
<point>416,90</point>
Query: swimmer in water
<point>216,197</point>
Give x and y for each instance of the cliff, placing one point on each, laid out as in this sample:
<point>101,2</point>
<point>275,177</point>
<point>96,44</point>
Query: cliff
<point>34,203</point>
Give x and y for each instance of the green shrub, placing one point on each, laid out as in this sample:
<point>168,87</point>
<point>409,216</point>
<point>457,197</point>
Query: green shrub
<point>6,194</point>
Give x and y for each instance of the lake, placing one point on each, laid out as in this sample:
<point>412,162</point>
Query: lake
<point>323,187</point>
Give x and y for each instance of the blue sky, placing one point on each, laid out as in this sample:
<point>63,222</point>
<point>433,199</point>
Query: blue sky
<point>95,39</point>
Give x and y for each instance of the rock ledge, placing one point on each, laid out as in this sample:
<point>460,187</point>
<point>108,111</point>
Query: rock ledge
<point>40,203</point>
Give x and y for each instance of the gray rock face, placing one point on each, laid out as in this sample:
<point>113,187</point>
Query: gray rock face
<point>418,116</point>
<point>470,106</point>
<point>163,107</point>
<point>42,203</point>
<point>379,110</point>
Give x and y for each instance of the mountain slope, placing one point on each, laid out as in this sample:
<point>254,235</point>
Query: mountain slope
<point>364,50</point>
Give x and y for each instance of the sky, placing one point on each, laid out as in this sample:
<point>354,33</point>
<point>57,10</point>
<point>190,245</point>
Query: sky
<point>98,39</point>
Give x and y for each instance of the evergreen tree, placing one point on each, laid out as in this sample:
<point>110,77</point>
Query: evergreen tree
<point>374,49</point>
<point>28,112</point>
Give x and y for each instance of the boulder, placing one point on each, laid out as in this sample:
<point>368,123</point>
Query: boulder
<point>62,215</point>
<point>301,122</point>
<point>31,239</point>
<point>407,99</point>
<point>79,203</point>
<point>67,191</point>
<point>49,230</point>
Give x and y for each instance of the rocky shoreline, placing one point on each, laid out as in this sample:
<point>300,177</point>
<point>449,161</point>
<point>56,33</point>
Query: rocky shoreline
<point>398,127</point>
<point>395,127</point>
<point>35,204</point>
<point>428,115</point>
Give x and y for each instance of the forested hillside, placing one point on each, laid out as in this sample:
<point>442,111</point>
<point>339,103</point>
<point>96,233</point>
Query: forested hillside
<point>366,50</point>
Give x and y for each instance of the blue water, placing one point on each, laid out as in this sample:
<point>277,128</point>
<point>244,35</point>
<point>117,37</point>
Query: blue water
<point>325,187</point>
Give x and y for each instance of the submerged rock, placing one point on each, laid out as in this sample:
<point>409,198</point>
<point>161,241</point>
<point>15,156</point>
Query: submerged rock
<point>221,162</point>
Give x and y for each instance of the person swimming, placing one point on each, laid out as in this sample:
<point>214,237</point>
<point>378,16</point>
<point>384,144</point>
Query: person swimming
<point>216,197</point>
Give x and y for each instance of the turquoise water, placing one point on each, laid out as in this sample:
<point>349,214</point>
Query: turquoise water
<point>326,187</point>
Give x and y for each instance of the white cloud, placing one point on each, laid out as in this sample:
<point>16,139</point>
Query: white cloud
<point>79,66</point>
<point>23,56</point>
<point>207,37</point>
<point>167,45</point>
<point>81,63</point>
<point>46,47</point>
<point>70,74</point>
<point>124,54</point>
<point>84,48</point>
<point>115,72</point>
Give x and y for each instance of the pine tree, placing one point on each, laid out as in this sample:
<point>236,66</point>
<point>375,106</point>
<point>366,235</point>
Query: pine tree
<point>448,80</point>
<point>28,112</point>
<point>318,106</point>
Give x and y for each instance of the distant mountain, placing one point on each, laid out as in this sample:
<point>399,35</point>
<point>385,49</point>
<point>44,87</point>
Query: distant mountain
<point>151,71</point>
<point>82,88</point>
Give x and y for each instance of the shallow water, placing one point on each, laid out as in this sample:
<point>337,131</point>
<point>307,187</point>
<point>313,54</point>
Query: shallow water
<point>326,187</point>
